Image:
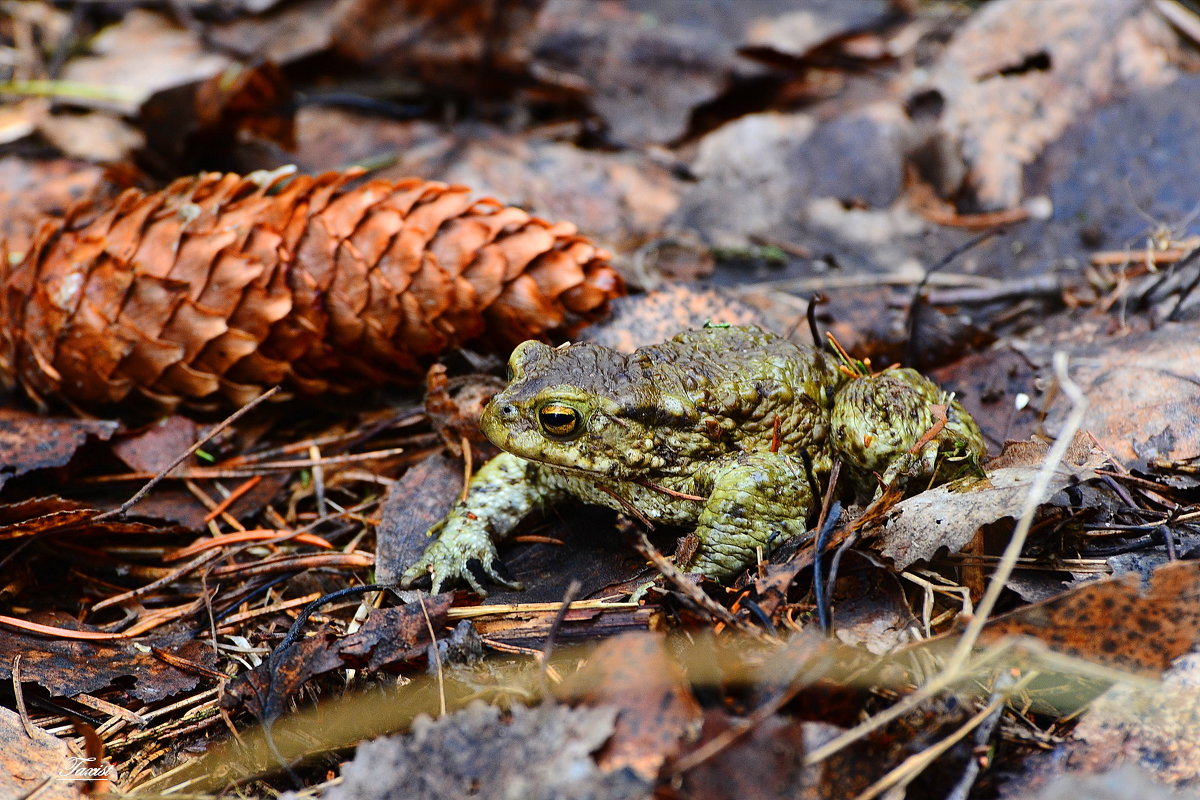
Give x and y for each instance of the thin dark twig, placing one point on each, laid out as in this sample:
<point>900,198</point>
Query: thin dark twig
<point>826,509</point>
<point>821,588</point>
<point>568,597</point>
<point>914,308</point>
<point>232,418</point>
<point>689,589</point>
<point>810,314</point>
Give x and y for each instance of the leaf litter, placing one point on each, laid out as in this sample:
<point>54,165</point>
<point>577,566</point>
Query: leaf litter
<point>156,640</point>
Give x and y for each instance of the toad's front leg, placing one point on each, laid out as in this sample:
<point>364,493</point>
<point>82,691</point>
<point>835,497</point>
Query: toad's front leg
<point>501,494</point>
<point>757,502</point>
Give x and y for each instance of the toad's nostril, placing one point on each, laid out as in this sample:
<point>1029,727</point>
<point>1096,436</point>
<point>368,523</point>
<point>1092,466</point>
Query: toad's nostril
<point>508,410</point>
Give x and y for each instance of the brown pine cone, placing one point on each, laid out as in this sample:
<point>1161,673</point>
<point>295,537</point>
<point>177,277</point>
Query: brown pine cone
<point>221,285</point>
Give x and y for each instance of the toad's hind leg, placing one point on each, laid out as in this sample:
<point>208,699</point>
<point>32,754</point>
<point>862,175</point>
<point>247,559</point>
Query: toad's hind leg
<point>758,501</point>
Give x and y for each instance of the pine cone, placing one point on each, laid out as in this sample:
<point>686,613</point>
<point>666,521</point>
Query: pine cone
<point>218,286</point>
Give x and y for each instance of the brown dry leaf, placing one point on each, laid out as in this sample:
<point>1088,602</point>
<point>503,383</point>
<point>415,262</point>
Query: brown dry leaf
<point>1018,72</point>
<point>871,612</point>
<point>622,198</point>
<point>153,448</point>
<point>287,33</point>
<point>219,286</point>
<point>96,136</point>
<point>1143,391</point>
<point>948,516</point>
<point>42,515</point>
<point>30,442</point>
<point>658,714</point>
<point>33,764</point>
<point>645,71</point>
<point>542,753</point>
<point>1116,622</point>
<point>143,53</point>
<point>453,406</point>
<point>441,42</point>
<point>213,121</point>
<point>415,502</point>
<point>70,667</point>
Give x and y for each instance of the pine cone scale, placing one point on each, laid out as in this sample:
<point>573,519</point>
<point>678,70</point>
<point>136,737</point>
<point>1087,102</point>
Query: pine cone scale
<point>219,286</point>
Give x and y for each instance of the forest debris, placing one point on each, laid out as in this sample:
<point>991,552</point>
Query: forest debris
<point>31,442</point>
<point>391,637</point>
<point>414,503</point>
<point>138,56</point>
<point>656,316</point>
<point>1158,729</point>
<point>1116,622</point>
<point>542,753</point>
<point>620,198</point>
<point>214,121</point>
<point>66,667</point>
<point>1120,783</point>
<point>948,516</point>
<point>155,447</point>
<point>645,72</point>
<point>441,43</point>
<point>1019,72</point>
<point>453,406</point>
<point>797,32</point>
<point>632,672</point>
<point>34,763</point>
<point>216,287</point>
<point>1144,390</point>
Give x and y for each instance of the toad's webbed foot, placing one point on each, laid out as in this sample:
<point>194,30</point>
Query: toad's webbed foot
<point>757,502</point>
<point>462,551</point>
<point>464,547</point>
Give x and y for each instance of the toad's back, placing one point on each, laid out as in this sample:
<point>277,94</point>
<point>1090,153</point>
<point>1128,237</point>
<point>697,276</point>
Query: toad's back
<point>750,389</point>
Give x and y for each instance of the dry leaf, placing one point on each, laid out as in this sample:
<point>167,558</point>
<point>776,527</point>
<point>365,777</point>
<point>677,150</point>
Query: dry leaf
<point>1116,622</point>
<point>33,764</point>
<point>30,442</point>
<point>1143,393</point>
<point>1018,72</point>
<point>948,516</point>
<point>633,673</point>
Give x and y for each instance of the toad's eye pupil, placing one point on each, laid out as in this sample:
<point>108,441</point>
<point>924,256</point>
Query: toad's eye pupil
<point>558,420</point>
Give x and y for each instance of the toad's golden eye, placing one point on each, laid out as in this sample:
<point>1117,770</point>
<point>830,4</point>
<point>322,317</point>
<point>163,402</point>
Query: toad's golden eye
<point>558,420</point>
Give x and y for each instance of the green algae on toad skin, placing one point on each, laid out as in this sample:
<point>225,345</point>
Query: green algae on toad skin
<point>741,418</point>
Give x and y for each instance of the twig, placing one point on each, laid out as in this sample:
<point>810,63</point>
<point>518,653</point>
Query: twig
<point>19,696</point>
<point>689,589</point>
<point>437,657</point>
<point>1008,559</point>
<point>568,597</point>
<point>223,506</point>
<point>914,765</point>
<point>203,440</point>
